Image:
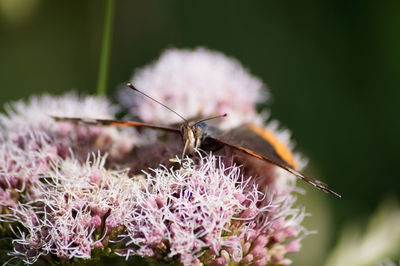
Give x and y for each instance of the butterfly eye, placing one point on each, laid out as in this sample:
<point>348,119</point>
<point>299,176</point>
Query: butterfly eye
<point>197,132</point>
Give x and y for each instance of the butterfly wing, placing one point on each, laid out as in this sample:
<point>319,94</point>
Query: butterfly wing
<point>260,143</point>
<point>118,123</point>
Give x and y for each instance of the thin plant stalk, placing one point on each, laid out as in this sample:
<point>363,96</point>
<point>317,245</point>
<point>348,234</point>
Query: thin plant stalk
<point>105,48</point>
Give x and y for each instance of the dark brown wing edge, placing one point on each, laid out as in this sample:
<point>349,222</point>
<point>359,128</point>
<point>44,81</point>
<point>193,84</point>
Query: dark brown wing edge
<point>316,183</point>
<point>111,122</point>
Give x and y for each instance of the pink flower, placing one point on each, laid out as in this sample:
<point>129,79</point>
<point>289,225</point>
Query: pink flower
<point>34,115</point>
<point>197,82</point>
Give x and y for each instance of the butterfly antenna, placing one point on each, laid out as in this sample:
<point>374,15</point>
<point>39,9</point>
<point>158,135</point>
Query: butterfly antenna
<point>130,85</point>
<point>210,118</point>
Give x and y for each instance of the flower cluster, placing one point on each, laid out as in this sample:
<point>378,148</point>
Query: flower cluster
<point>31,140</point>
<point>196,83</point>
<point>71,192</point>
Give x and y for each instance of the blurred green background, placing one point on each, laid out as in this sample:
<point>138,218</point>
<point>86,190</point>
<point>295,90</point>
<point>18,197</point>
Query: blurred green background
<point>332,67</point>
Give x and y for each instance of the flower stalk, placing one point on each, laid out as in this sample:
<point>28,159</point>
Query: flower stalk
<point>105,53</point>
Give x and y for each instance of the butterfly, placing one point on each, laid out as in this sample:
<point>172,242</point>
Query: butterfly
<point>248,139</point>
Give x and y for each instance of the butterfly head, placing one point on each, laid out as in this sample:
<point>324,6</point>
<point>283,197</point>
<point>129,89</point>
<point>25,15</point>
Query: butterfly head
<point>192,135</point>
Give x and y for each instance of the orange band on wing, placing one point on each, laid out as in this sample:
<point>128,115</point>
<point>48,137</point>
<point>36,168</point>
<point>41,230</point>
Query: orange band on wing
<point>281,148</point>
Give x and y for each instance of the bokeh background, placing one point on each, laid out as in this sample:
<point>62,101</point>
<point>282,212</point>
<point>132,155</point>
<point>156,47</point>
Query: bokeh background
<point>332,67</point>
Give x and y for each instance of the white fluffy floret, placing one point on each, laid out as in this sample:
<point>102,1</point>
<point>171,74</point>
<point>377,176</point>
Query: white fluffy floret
<point>195,83</point>
<point>189,205</point>
<point>70,204</point>
<point>34,115</point>
<point>36,111</point>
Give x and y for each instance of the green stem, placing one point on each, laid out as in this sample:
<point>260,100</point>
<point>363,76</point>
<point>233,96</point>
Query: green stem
<point>105,48</point>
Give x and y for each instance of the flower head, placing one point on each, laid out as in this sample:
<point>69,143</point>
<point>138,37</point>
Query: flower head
<point>197,213</point>
<point>32,141</point>
<point>35,113</point>
<point>66,217</point>
<point>196,83</point>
